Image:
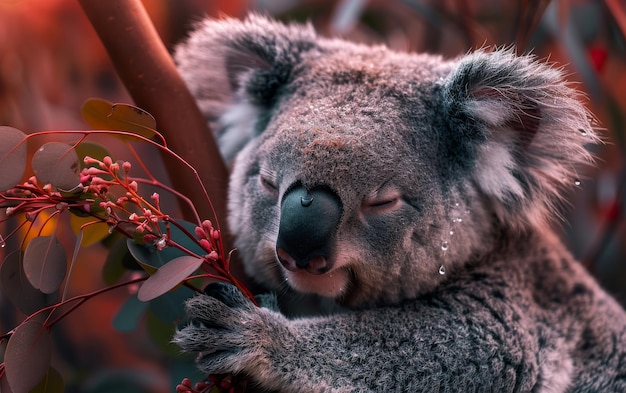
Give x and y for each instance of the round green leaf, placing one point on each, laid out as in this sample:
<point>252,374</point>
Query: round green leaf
<point>58,164</point>
<point>27,357</point>
<point>168,277</point>
<point>17,288</point>
<point>45,263</point>
<point>118,262</point>
<point>52,382</point>
<point>92,150</point>
<point>161,334</point>
<point>4,386</point>
<point>148,255</point>
<point>130,313</point>
<point>103,115</point>
<point>12,157</point>
<point>170,307</point>
<point>91,234</point>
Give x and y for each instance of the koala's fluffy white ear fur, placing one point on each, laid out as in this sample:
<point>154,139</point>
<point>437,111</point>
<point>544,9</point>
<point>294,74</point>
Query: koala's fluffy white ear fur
<point>244,64</point>
<point>527,130</point>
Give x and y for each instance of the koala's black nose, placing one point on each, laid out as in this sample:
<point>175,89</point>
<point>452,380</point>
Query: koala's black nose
<point>308,223</point>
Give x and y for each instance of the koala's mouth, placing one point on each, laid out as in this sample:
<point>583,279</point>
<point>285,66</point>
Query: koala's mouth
<point>333,284</point>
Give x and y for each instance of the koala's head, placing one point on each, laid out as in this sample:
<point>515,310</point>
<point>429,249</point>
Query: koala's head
<point>358,171</point>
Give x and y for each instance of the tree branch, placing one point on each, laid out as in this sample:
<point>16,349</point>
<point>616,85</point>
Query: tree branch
<point>150,76</point>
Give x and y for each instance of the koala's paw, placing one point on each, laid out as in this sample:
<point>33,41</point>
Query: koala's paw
<point>225,329</point>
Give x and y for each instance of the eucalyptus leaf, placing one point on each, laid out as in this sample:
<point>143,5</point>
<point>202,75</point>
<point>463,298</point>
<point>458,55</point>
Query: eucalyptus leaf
<point>170,307</point>
<point>27,356</point>
<point>12,157</point>
<point>168,277</point>
<point>148,254</point>
<point>45,263</point>
<point>16,287</point>
<point>103,115</point>
<point>129,315</point>
<point>91,234</point>
<point>58,164</point>
<point>52,382</point>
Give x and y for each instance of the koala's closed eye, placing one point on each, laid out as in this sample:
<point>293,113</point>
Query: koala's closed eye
<point>268,184</point>
<point>384,202</point>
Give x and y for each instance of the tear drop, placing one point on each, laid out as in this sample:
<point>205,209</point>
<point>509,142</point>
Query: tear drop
<point>111,228</point>
<point>445,245</point>
<point>3,243</point>
<point>442,270</point>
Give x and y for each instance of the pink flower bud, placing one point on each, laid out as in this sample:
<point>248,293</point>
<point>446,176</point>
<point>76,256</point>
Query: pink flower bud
<point>149,238</point>
<point>93,171</point>
<point>200,233</point>
<point>126,166</point>
<point>206,246</point>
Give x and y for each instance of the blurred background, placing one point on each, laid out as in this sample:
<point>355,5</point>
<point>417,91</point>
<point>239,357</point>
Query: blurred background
<point>51,61</point>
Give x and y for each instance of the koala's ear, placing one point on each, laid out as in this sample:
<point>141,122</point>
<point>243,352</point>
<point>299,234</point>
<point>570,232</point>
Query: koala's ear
<point>517,128</point>
<point>235,70</point>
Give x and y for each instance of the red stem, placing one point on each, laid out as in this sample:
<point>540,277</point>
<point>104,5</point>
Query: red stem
<point>81,299</point>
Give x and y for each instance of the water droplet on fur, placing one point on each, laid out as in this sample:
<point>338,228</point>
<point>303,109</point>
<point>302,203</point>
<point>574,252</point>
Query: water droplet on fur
<point>445,245</point>
<point>577,182</point>
<point>3,243</point>
<point>467,212</point>
<point>582,131</point>
<point>451,233</point>
<point>456,204</point>
<point>306,201</point>
<point>442,270</point>
<point>458,219</point>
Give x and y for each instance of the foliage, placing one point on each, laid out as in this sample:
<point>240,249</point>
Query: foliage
<point>63,180</point>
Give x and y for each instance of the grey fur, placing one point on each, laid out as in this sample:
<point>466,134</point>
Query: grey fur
<point>468,155</point>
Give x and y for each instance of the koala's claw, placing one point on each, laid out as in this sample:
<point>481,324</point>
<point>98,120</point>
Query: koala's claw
<point>227,294</point>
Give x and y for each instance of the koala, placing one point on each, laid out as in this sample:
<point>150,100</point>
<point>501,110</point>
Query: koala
<point>414,191</point>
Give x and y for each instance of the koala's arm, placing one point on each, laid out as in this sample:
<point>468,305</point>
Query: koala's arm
<point>421,346</point>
